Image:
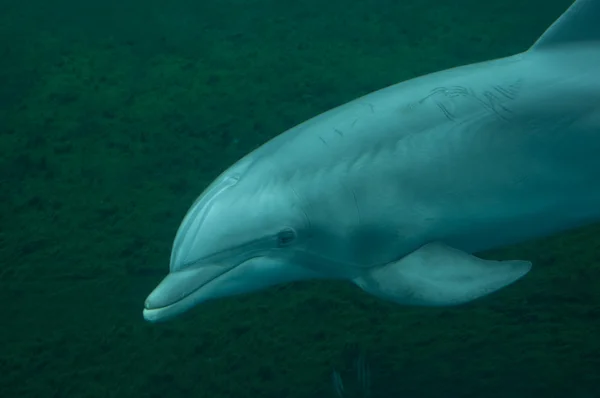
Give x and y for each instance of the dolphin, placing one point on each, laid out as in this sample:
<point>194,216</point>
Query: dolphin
<point>395,190</point>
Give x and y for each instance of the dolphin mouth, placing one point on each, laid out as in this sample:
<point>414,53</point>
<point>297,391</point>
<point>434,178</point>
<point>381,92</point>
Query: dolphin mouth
<point>179,291</point>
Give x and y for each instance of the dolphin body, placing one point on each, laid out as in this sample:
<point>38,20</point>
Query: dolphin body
<point>394,191</point>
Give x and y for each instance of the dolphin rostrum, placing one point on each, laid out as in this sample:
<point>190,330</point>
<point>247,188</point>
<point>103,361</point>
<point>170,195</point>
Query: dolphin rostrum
<point>394,191</point>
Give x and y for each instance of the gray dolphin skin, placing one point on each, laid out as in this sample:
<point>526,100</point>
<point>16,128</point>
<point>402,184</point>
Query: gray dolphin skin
<point>395,190</point>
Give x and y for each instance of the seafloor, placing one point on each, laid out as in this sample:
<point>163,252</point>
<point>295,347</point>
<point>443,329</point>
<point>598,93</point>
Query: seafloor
<point>114,115</point>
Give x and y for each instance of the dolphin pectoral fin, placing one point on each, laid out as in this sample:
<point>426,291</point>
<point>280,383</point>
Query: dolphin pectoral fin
<point>439,275</point>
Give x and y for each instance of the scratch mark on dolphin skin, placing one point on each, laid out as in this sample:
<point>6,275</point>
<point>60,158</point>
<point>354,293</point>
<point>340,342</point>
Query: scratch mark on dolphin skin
<point>341,134</point>
<point>497,103</point>
<point>446,112</point>
<point>508,93</point>
<point>492,103</point>
<point>494,100</point>
<point>447,95</point>
<point>324,142</point>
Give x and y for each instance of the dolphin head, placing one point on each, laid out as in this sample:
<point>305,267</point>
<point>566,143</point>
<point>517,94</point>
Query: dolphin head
<point>240,235</point>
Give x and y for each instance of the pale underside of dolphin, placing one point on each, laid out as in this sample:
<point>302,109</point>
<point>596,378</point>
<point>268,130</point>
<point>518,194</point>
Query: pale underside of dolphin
<point>394,191</point>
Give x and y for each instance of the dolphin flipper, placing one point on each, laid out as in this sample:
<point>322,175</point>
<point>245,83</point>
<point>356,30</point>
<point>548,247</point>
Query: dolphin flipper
<point>439,275</point>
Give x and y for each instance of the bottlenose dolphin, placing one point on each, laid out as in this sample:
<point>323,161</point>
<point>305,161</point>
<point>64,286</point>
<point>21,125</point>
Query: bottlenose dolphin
<point>394,191</point>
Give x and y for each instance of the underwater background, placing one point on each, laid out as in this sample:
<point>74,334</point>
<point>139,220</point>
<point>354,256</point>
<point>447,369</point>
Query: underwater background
<point>115,115</point>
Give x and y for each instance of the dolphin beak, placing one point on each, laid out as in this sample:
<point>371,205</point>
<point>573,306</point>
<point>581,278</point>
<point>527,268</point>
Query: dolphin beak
<point>179,291</point>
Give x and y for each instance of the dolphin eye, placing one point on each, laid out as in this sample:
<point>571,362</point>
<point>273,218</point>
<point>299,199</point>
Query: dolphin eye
<point>285,237</point>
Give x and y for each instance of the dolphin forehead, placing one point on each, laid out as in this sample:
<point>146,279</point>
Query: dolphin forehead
<point>185,246</point>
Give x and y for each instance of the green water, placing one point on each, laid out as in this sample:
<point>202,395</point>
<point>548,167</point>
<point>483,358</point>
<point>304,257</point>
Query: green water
<point>114,115</point>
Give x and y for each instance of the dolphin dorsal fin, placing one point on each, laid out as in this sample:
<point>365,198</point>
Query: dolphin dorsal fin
<point>580,23</point>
